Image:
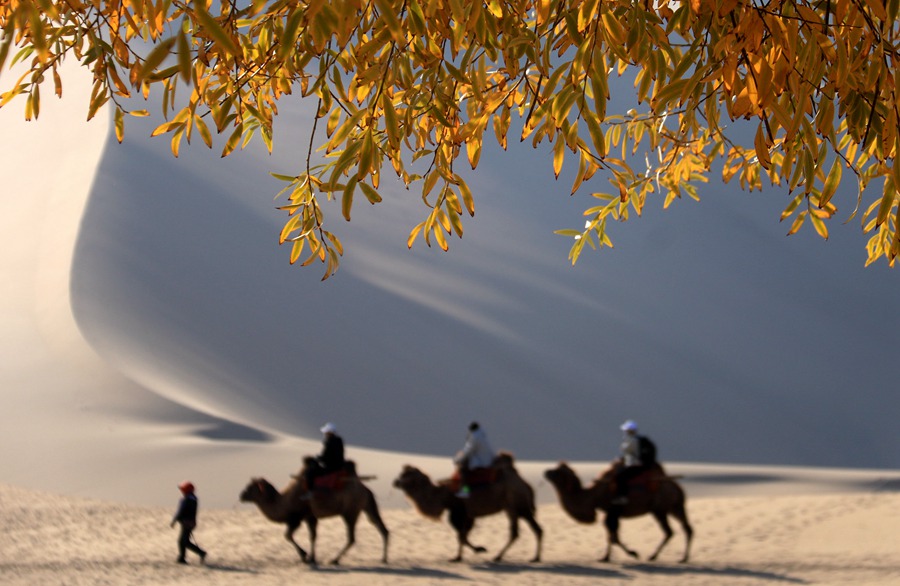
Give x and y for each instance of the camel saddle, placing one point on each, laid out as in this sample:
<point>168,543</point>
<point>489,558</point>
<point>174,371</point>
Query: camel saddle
<point>332,481</point>
<point>648,480</point>
<point>475,478</point>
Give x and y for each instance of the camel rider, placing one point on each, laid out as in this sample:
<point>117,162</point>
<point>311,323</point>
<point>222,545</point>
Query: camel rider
<point>476,453</point>
<point>637,454</point>
<point>330,460</point>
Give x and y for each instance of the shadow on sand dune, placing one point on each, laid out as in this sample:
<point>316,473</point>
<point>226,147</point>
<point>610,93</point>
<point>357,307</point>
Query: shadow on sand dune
<point>224,430</point>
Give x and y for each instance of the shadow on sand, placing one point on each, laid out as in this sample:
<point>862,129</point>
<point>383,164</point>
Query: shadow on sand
<point>227,568</point>
<point>551,569</point>
<point>388,570</point>
<point>724,572</point>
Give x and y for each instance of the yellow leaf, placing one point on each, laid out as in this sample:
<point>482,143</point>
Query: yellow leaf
<point>559,154</point>
<point>391,125</point>
<point>762,149</point>
<point>120,125</point>
<point>877,7</point>
<point>57,81</point>
<point>347,198</point>
<point>216,32</point>
<point>413,234</point>
<point>792,206</point>
<point>204,130</point>
<point>887,202</point>
<point>389,16</point>
<point>466,194</point>
<point>798,221</point>
<point>668,93</point>
<point>473,150</point>
<point>297,249</point>
<point>612,27</point>
<point>819,225</point>
<point>831,184</point>
<point>439,237</point>
<point>176,141</point>
<point>154,59</point>
<point>233,140</point>
<point>370,193</point>
<point>184,57</point>
<point>292,224</point>
<point>430,180</point>
<point>289,35</point>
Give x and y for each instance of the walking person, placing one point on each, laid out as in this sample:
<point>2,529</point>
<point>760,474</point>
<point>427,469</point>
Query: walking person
<point>186,516</point>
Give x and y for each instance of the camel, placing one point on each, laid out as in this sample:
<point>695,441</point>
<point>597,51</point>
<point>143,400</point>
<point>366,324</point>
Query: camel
<point>292,506</point>
<point>508,493</point>
<point>667,498</point>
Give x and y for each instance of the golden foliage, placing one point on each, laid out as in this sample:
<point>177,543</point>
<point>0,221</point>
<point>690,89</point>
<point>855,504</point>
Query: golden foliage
<point>415,85</point>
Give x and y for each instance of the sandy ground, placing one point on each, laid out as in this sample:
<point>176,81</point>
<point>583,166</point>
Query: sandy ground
<point>794,539</point>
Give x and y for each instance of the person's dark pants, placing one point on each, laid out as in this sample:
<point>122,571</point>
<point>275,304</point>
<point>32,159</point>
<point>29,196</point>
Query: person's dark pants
<point>624,477</point>
<point>185,543</point>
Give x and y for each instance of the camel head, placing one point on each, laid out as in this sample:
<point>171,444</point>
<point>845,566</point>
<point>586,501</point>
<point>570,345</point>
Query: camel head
<point>563,478</point>
<point>429,499</point>
<point>257,491</point>
<point>410,478</point>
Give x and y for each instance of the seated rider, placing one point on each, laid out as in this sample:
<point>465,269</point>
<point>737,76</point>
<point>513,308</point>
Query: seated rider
<point>330,460</point>
<point>637,454</point>
<point>476,453</point>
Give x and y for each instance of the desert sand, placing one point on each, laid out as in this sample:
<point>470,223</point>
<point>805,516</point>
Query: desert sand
<point>838,538</point>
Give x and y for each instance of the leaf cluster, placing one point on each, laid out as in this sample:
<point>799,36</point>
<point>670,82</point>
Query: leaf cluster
<point>413,87</point>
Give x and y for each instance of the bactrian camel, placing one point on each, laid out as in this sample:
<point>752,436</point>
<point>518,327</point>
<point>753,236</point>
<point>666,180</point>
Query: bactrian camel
<point>659,495</point>
<point>294,505</point>
<point>509,493</point>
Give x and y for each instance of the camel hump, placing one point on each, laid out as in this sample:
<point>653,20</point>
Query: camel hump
<point>503,459</point>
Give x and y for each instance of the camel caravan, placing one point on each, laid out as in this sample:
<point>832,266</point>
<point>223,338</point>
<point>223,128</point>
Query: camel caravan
<point>329,486</point>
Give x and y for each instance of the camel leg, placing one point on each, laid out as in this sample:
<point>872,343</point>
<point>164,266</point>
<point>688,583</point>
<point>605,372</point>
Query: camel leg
<point>460,521</point>
<point>513,535</point>
<point>313,523</point>
<point>667,532</point>
<point>538,535</point>
<point>289,535</point>
<point>375,518</point>
<point>350,522</point>
<point>612,537</point>
<point>680,514</point>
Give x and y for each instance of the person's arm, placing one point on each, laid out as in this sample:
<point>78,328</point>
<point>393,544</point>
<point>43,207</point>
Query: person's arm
<point>178,513</point>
